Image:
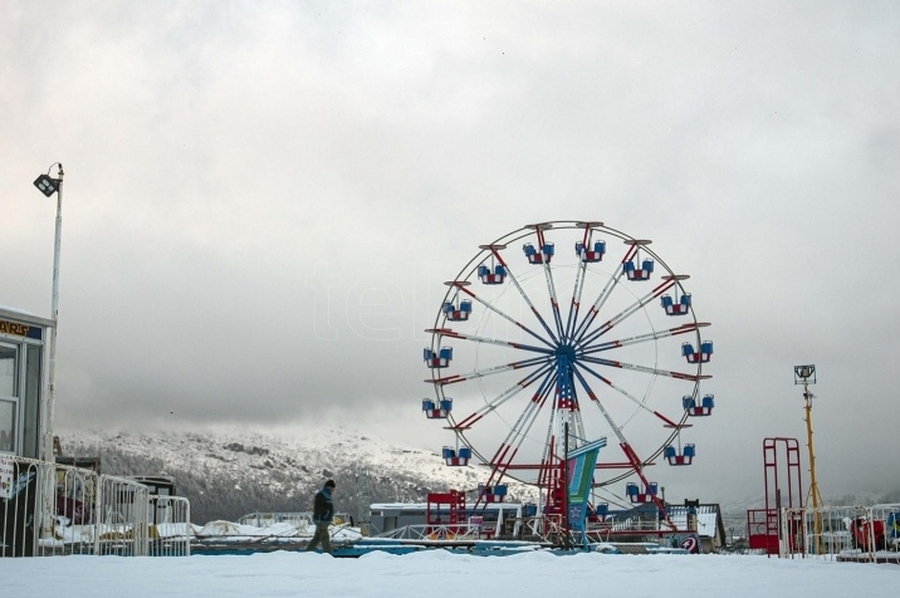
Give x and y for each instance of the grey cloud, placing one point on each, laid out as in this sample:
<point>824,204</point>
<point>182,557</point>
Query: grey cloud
<point>262,202</point>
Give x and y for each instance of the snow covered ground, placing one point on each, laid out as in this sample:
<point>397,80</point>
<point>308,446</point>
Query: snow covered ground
<point>438,573</point>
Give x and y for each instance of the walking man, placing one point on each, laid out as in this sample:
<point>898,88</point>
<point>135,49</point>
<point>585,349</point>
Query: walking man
<point>323,513</point>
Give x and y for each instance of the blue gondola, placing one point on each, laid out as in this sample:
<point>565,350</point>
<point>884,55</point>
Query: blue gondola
<point>676,309</point>
<point>438,359</point>
<point>456,458</point>
<point>704,408</point>
<point>685,458</point>
<point>539,257</point>
<point>590,255</point>
<point>492,493</point>
<point>458,313</point>
<point>439,410</point>
<point>637,495</point>
<point>642,273</point>
<point>492,276</point>
<point>701,356</point>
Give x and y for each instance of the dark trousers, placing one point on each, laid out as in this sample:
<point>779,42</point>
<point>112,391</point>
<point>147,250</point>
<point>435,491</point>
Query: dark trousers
<point>322,536</point>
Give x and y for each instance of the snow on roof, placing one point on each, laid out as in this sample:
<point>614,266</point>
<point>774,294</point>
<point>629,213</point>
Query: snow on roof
<point>20,314</point>
<point>707,518</point>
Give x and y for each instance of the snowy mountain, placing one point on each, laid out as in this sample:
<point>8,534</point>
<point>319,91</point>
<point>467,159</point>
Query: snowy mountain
<point>227,474</point>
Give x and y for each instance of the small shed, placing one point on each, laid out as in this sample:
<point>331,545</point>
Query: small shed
<point>23,379</point>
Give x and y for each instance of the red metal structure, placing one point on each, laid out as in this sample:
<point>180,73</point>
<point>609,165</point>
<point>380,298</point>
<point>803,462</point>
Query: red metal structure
<point>445,512</point>
<point>781,471</point>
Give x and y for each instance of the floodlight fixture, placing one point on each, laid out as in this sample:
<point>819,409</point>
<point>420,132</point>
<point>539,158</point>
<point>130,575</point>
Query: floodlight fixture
<point>805,374</point>
<point>47,184</point>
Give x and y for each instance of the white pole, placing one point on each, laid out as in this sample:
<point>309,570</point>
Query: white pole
<point>54,307</point>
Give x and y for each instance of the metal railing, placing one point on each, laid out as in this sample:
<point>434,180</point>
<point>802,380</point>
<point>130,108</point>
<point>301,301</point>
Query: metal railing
<point>50,509</point>
<point>299,519</point>
<point>841,532</point>
<point>435,532</point>
<point>170,528</point>
<point>19,513</point>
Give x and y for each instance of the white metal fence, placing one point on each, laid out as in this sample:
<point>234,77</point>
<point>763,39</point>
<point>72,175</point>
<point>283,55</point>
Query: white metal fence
<point>299,519</point>
<point>170,526</point>
<point>49,509</point>
<point>19,512</point>
<point>851,532</point>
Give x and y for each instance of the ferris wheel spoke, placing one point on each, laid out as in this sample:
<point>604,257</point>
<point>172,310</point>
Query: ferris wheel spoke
<point>633,461</point>
<point>601,299</point>
<point>498,369</point>
<point>550,436</point>
<point>526,419</point>
<point>575,303</point>
<point>505,455</point>
<point>586,253</point>
<point>449,333</point>
<point>605,293</point>
<point>643,338</point>
<point>638,305</point>
<point>639,403</point>
<point>525,297</point>
<point>613,426</point>
<point>490,307</point>
<point>644,369</point>
<point>543,255</point>
<point>554,302</point>
<point>503,397</point>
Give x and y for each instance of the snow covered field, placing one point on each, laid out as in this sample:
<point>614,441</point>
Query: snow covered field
<point>438,573</point>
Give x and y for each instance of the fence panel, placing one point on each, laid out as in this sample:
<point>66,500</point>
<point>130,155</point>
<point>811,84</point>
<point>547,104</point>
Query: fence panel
<point>75,510</point>
<point>847,532</point>
<point>52,509</point>
<point>886,526</point>
<point>20,498</point>
<point>123,517</point>
<point>170,529</point>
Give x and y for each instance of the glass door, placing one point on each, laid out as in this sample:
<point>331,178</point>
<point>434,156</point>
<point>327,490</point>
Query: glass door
<point>9,401</point>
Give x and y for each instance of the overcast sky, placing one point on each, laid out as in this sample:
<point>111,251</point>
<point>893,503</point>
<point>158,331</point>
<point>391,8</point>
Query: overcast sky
<point>263,199</point>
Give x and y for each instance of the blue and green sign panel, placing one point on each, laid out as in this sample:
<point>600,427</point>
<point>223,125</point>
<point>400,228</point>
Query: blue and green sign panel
<point>580,464</point>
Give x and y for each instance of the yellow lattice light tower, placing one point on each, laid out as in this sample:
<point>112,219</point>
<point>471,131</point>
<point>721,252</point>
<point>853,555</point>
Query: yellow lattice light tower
<point>806,375</point>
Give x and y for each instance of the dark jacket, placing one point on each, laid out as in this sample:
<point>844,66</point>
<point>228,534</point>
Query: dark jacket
<point>323,509</point>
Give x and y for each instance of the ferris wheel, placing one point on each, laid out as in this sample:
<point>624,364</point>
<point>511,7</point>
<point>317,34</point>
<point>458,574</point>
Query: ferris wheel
<point>557,335</point>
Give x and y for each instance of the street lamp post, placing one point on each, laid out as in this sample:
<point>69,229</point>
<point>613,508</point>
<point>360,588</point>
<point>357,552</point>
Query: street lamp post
<point>48,186</point>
